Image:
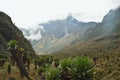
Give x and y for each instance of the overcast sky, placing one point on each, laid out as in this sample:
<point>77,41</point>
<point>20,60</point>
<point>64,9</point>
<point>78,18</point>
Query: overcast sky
<point>29,12</point>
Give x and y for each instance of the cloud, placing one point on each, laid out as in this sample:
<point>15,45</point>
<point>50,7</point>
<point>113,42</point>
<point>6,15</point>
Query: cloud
<point>30,12</point>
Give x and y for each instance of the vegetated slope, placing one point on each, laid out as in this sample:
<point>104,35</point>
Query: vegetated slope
<point>54,36</point>
<point>8,31</point>
<point>102,42</point>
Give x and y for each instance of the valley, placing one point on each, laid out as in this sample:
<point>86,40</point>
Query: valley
<point>65,49</point>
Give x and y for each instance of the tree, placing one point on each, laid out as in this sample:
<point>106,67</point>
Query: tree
<point>13,47</point>
<point>35,63</point>
<point>26,57</point>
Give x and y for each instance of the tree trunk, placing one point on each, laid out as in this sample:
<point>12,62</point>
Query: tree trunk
<point>19,61</point>
<point>35,64</point>
<point>28,64</point>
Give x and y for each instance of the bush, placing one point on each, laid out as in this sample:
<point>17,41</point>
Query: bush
<point>53,74</point>
<point>65,68</point>
<point>44,61</point>
<point>80,68</point>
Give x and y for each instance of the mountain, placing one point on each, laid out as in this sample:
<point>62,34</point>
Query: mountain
<point>104,38</point>
<point>54,36</point>
<point>9,31</point>
<point>101,42</point>
<point>110,25</point>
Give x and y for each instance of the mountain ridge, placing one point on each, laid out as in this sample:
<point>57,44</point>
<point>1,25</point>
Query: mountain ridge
<point>58,34</point>
<point>55,33</point>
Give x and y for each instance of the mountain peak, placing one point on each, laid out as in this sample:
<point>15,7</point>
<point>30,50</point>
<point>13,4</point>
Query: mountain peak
<point>70,17</point>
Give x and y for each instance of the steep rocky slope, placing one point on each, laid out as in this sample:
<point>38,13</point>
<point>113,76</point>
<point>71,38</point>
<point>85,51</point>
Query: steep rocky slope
<point>9,31</point>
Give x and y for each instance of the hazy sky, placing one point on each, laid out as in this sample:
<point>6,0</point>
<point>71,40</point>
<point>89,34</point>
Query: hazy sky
<point>29,12</point>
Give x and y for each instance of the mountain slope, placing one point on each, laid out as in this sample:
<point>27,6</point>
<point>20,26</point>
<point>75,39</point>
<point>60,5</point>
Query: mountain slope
<point>8,31</point>
<point>54,36</point>
<point>110,25</point>
<point>102,43</point>
<point>100,36</point>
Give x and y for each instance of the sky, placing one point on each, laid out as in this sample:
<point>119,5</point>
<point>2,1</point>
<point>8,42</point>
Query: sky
<point>25,13</point>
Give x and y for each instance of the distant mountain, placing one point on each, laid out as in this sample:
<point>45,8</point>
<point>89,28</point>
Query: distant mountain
<point>54,36</point>
<point>102,44</point>
<point>103,38</point>
<point>8,31</point>
<point>110,25</point>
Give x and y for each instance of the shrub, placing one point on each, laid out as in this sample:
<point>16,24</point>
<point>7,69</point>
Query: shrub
<point>53,74</point>
<point>82,69</point>
<point>65,68</point>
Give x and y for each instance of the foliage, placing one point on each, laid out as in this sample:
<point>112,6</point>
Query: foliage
<point>79,68</point>
<point>82,69</point>
<point>12,44</point>
<point>53,74</point>
<point>44,61</point>
<point>15,50</point>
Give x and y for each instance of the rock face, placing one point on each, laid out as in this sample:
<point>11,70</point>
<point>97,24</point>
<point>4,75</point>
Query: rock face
<point>9,31</point>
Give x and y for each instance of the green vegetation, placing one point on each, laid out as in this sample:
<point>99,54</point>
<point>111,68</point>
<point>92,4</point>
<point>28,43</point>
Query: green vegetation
<point>53,74</point>
<point>51,68</point>
<point>82,69</point>
<point>69,69</point>
<point>17,57</point>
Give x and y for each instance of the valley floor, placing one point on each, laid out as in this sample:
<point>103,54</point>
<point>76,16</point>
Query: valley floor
<point>105,56</point>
